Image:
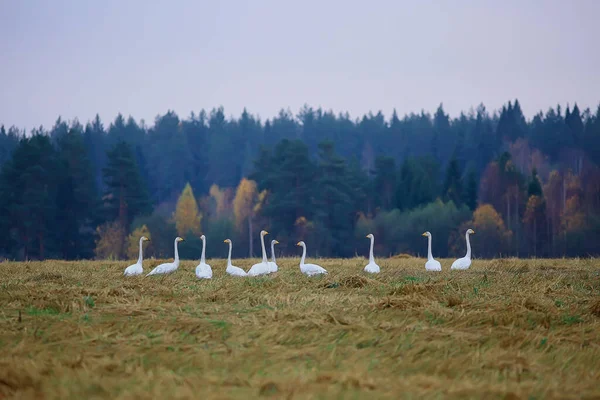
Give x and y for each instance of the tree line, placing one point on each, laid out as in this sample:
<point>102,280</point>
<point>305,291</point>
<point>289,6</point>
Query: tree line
<point>527,187</point>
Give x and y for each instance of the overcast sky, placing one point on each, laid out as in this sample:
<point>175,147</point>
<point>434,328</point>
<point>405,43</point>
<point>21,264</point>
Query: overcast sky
<point>76,58</point>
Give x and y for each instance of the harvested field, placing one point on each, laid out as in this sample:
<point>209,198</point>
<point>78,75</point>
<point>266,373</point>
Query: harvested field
<point>505,329</point>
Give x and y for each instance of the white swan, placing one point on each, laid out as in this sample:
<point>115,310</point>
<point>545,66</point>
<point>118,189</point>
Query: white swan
<point>372,267</point>
<point>136,269</point>
<point>431,264</point>
<point>203,270</point>
<point>273,264</point>
<point>465,262</point>
<point>262,268</point>
<point>168,268</point>
<point>231,269</point>
<point>309,269</point>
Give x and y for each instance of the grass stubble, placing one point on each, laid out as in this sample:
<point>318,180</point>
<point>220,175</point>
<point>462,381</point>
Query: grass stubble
<point>505,329</point>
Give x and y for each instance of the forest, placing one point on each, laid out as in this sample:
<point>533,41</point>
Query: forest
<point>529,188</point>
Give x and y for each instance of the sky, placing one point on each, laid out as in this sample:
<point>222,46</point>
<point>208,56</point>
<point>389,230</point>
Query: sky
<point>76,58</point>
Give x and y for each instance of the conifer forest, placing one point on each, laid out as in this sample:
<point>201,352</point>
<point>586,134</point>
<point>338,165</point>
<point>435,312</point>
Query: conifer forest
<point>84,190</point>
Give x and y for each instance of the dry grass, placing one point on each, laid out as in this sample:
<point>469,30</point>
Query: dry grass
<point>506,329</point>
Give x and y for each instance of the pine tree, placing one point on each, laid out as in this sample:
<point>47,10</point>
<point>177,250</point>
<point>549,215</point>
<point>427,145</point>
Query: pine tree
<point>125,196</point>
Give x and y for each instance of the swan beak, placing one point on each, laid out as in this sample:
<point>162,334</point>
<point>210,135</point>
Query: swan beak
<point>276,242</point>
<point>225,241</point>
<point>423,234</point>
<point>473,232</point>
<point>298,244</point>
<point>182,240</point>
<point>367,236</point>
<point>266,233</point>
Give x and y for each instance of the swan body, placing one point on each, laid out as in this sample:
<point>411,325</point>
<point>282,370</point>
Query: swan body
<point>168,268</point>
<point>136,269</point>
<point>465,262</point>
<point>262,268</point>
<point>203,270</point>
<point>273,264</point>
<point>309,269</point>
<point>372,266</point>
<point>232,269</point>
<point>431,264</point>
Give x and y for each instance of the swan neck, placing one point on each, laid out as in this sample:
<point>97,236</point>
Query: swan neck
<point>429,256</point>
<point>468,246</point>
<point>202,259</point>
<point>371,257</point>
<point>273,252</point>
<point>303,254</point>
<point>264,252</point>
<point>176,254</point>
<point>229,256</point>
<point>140,257</point>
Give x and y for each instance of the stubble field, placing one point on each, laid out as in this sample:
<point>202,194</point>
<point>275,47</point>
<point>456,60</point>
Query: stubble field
<point>505,329</point>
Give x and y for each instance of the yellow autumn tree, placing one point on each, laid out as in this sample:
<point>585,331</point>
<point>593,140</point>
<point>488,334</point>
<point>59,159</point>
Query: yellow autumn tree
<point>187,217</point>
<point>246,204</point>
<point>133,242</point>
<point>219,199</point>
<point>491,235</point>
<point>111,241</point>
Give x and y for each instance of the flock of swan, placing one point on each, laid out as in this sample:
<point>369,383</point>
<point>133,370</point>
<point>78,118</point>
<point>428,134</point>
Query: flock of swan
<point>265,267</point>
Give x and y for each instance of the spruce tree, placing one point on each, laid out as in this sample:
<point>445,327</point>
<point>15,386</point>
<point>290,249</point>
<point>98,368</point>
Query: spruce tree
<point>535,187</point>
<point>333,201</point>
<point>453,187</point>
<point>126,197</point>
<point>470,196</point>
<point>28,188</point>
<point>77,201</point>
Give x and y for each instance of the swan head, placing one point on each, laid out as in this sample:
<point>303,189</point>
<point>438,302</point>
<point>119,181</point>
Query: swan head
<point>301,243</point>
<point>227,241</point>
<point>370,236</point>
<point>144,239</point>
<point>274,241</point>
<point>263,233</point>
<point>470,231</point>
<point>178,239</point>
<point>203,237</point>
<point>426,234</point>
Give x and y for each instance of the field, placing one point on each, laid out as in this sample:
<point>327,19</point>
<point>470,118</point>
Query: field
<point>505,329</point>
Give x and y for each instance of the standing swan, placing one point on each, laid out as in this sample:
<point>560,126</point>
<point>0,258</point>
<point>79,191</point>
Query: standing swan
<point>371,267</point>
<point>465,262</point>
<point>262,268</point>
<point>136,269</point>
<point>203,270</point>
<point>309,269</point>
<point>167,268</point>
<point>231,269</point>
<point>431,264</point>
<point>273,264</point>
